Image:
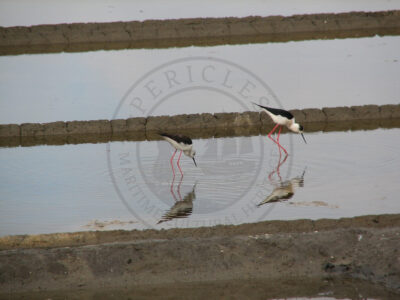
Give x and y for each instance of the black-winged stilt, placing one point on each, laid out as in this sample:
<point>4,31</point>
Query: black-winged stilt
<point>182,143</point>
<point>282,118</point>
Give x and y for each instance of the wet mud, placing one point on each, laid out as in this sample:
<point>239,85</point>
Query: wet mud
<point>205,125</point>
<point>284,288</point>
<point>200,32</point>
<point>364,248</point>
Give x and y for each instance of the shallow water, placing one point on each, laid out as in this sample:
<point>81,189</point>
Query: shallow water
<point>25,13</point>
<point>130,185</point>
<point>303,74</point>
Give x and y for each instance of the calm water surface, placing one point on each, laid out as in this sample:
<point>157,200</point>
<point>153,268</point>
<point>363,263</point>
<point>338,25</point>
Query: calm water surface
<point>91,85</point>
<point>131,185</point>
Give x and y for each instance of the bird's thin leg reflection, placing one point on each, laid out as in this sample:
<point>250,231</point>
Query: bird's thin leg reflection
<point>283,190</point>
<point>277,169</point>
<point>172,163</point>
<point>182,208</point>
<point>179,188</point>
<point>172,188</point>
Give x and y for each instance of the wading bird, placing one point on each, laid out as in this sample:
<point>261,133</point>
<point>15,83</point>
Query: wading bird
<point>182,143</point>
<point>282,118</point>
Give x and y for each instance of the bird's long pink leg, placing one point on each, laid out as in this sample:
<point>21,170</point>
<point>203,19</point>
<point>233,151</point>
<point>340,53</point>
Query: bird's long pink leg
<point>272,131</point>
<point>279,134</point>
<point>179,167</point>
<point>269,135</point>
<point>172,165</point>
<point>280,146</point>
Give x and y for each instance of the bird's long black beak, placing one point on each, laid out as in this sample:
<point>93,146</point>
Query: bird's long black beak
<point>303,138</point>
<point>194,162</point>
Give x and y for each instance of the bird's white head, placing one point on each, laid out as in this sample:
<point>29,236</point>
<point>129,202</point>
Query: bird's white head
<point>296,127</point>
<point>191,153</point>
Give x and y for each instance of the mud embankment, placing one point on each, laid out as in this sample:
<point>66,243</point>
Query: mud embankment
<point>205,125</point>
<point>362,248</point>
<point>198,31</point>
<point>282,288</point>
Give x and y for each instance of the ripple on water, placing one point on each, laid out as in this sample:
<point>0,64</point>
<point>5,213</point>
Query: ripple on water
<point>62,188</point>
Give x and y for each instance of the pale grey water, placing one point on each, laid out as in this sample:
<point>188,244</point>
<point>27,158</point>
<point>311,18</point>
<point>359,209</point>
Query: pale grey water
<point>25,13</point>
<point>89,86</point>
<point>48,189</point>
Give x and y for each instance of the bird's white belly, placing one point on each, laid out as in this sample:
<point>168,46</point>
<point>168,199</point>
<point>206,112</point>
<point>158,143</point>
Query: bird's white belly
<point>178,146</point>
<point>279,119</point>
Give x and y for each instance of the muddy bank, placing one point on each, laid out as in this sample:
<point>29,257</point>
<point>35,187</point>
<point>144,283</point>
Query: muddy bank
<point>199,42</point>
<point>362,248</point>
<point>198,31</point>
<point>272,227</point>
<point>29,141</point>
<point>205,125</point>
<point>284,288</point>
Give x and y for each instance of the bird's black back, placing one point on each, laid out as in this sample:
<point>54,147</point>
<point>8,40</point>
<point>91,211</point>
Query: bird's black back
<point>178,138</point>
<point>277,111</point>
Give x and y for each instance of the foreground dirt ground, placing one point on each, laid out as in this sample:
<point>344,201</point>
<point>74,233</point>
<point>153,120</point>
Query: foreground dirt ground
<point>365,248</point>
<point>226,289</point>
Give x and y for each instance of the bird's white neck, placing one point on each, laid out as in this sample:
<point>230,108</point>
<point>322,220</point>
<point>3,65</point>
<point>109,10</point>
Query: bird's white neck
<point>294,127</point>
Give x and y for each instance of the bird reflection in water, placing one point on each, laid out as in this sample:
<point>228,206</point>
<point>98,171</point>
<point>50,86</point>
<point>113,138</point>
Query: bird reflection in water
<point>283,190</point>
<point>182,208</point>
